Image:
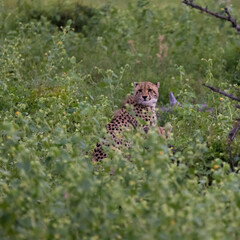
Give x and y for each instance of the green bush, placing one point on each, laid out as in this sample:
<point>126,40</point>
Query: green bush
<point>59,88</point>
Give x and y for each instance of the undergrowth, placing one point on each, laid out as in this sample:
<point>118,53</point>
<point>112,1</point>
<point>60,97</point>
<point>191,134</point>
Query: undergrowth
<point>60,84</point>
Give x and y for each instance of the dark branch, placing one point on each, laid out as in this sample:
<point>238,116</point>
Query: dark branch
<point>231,158</point>
<point>232,134</point>
<point>237,106</point>
<point>228,18</point>
<point>222,92</point>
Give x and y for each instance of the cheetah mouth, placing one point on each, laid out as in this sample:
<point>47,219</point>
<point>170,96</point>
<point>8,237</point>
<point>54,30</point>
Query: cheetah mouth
<point>148,102</point>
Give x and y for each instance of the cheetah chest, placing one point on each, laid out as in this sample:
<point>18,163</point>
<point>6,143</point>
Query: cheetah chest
<point>147,114</point>
<point>126,119</point>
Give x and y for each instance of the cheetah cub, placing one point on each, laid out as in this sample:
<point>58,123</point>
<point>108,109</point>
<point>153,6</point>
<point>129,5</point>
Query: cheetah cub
<point>142,106</point>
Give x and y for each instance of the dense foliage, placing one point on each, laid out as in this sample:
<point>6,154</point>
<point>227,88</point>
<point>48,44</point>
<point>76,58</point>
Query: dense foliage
<point>58,89</point>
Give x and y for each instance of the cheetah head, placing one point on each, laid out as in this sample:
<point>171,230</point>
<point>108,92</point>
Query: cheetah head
<point>146,93</point>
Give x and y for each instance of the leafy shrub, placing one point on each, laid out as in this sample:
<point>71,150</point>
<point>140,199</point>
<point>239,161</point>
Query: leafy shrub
<point>58,90</point>
<point>81,16</point>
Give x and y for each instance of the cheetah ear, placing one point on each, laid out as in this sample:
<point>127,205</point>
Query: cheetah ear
<point>135,84</point>
<point>158,84</point>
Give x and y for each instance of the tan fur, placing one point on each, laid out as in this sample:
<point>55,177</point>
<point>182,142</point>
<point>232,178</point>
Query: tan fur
<point>142,105</point>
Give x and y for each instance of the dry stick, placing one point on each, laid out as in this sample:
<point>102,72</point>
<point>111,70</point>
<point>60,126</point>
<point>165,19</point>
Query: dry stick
<point>228,18</point>
<point>232,134</point>
<point>231,157</point>
<point>222,92</point>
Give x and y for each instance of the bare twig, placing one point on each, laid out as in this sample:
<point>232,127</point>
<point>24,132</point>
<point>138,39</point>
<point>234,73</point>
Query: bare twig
<point>237,106</point>
<point>228,18</point>
<point>232,134</point>
<point>222,92</point>
<point>231,158</point>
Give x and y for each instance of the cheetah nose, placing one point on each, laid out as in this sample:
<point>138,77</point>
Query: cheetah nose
<point>144,98</point>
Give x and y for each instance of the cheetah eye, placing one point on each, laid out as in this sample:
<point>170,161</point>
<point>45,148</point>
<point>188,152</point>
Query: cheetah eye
<point>149,90</point>
<point>140,90</point>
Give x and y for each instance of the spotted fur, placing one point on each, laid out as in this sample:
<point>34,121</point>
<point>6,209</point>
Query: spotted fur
<point>141,105</point>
